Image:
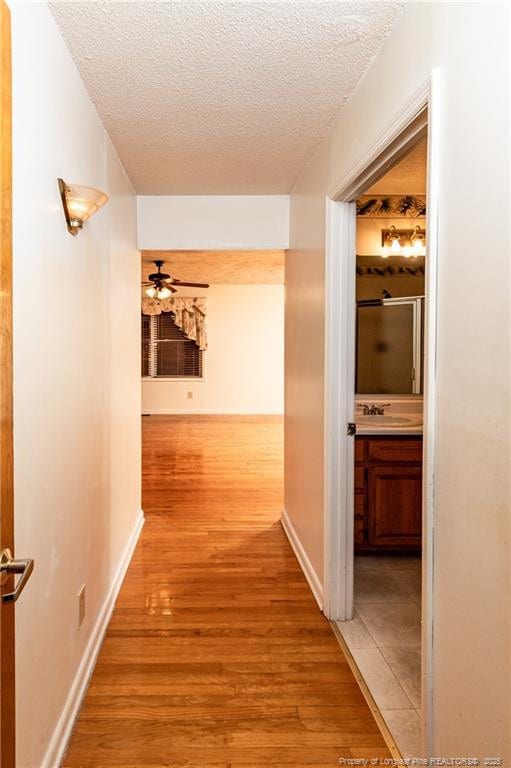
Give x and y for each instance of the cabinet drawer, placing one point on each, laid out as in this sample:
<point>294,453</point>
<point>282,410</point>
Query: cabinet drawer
<point>402,451</point>
<point>359,479</point>
<point>360,449</point>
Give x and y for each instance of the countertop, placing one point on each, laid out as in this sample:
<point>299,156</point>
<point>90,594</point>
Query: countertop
<point>394,405</point>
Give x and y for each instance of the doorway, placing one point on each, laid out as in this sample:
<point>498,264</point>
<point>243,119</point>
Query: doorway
<point>346,472</point>
<point>384,634</point>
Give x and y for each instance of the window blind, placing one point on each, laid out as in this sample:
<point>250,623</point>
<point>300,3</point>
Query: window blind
<point>166,351</point>
<point>146,338</point>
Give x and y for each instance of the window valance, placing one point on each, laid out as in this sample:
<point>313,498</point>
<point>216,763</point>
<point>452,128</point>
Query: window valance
<point>190,315</point>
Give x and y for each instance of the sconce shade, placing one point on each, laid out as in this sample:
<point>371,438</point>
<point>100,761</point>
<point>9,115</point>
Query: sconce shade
<point>79,204</point>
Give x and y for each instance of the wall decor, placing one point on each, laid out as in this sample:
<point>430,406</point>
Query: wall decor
<point>391,207</point>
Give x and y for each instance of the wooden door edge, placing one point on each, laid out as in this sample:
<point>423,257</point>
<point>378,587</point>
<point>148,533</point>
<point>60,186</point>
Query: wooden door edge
<point>7,681</point>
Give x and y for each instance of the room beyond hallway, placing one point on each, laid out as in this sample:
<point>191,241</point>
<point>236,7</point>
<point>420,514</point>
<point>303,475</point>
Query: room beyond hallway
<point>216,654</point>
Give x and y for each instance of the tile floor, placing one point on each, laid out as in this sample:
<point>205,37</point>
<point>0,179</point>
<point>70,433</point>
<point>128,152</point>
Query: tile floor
<point>384,639</point>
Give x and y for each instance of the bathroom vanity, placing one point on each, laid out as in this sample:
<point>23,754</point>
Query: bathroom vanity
<point>388,493</point>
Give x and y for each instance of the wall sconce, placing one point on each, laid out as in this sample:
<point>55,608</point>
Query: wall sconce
<point>403,242</point>
<point>79,204</point>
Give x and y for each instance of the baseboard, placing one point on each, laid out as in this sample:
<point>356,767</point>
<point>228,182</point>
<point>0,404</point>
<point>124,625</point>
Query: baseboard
<point>59,741</point>
<point>301,555</point>
<point>206,412</point>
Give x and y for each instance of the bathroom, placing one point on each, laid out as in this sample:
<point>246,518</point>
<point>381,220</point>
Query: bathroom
<point>384,636</point>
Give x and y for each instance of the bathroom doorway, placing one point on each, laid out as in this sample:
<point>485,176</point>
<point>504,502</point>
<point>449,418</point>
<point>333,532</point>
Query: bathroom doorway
<point>384,633</point>
<point>363,474</point>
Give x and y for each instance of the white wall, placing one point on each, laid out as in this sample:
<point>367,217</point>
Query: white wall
<point>190,222</point>
<point>76,374</point>
<point>244,362</point>
<point>470,41</point>
<point>304,362</point>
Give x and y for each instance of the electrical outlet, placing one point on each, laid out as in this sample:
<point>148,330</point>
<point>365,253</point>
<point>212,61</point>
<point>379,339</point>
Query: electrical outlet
<point>190,395</point>
<point>81,605</point>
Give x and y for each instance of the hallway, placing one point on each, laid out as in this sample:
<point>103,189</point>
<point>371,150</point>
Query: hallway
<point>216,654</point>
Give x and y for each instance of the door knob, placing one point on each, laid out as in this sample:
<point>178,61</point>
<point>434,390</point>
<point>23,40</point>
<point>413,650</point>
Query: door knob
<point>8,567</point>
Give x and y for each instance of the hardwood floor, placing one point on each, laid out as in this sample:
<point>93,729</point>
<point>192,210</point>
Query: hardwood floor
<point>217,655</point>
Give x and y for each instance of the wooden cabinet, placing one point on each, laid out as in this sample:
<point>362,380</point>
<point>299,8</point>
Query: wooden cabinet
<point>388,494</point>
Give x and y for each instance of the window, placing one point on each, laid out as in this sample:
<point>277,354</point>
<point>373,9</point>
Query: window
<point>166,351</point>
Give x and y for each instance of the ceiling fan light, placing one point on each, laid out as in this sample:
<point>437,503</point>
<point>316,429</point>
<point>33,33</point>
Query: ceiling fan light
<point>163,293</point>
<point>151,292</point>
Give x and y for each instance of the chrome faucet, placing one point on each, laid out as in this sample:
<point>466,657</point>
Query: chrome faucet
<point>373,409</point>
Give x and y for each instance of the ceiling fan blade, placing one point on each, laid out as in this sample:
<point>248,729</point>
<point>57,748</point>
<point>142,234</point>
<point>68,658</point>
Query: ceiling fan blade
<point>189,285</point>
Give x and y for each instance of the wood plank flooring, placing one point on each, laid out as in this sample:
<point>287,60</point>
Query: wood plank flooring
<point>217,655</point>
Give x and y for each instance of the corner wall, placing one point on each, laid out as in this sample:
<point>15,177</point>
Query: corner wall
<point>76,377</point>
<point>472,640</point>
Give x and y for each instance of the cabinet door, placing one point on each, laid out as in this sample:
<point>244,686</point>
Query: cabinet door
<point>395,507</point>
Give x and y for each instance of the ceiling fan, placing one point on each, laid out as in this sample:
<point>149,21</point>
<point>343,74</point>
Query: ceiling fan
<point>161,285</point>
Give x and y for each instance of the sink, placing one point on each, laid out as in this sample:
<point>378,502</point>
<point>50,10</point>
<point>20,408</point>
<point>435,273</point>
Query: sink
<point>388,420</point>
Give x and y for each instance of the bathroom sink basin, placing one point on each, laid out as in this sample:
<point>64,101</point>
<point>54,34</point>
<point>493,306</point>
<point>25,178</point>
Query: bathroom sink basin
<point>388,420</point>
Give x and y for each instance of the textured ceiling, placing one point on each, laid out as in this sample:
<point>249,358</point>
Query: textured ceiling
<point>221,267</point>
<point>408,177</point>
<point>221,97</point>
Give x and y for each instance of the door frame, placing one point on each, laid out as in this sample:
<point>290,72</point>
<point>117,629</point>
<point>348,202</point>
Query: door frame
<point>422,110</point>
<point>7,671</point>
